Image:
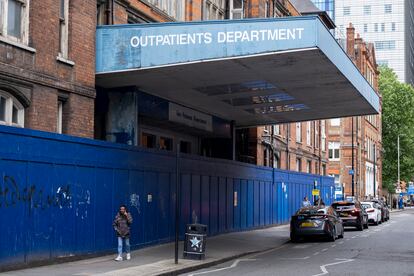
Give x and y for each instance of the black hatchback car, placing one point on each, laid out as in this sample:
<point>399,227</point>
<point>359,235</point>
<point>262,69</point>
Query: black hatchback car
<point>316,221</point>
<point>352,213</point>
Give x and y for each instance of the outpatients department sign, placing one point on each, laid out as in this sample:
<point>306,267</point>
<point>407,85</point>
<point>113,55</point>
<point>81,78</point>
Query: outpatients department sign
<point>141,46</point>
<point>219,37</point>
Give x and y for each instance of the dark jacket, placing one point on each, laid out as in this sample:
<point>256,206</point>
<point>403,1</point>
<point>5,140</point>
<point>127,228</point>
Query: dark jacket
<point>121,225</point>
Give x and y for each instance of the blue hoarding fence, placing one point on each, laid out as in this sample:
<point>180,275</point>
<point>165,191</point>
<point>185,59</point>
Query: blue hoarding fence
<point>59,195</point>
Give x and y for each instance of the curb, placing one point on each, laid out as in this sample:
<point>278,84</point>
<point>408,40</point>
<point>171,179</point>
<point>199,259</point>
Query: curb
<point>215,262</point>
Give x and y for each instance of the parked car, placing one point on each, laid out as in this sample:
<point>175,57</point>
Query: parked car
<point>385,212</point>
<point>314,221</point>
<point>352,213</point>
<point>373,210</point>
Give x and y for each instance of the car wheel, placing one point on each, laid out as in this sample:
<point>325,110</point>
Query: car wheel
<point>366,225</point>
<point>376,222</point>
<point>379,221</point>
<point>293,238</point>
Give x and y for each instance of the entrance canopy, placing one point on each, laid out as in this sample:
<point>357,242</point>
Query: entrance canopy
<point>254,72</point>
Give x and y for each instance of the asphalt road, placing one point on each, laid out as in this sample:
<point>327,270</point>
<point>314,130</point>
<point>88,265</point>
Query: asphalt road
<point>387,249</point>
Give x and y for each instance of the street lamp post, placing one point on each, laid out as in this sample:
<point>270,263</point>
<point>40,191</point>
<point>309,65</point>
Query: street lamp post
<point>374,169</point>
<point>352,156</point>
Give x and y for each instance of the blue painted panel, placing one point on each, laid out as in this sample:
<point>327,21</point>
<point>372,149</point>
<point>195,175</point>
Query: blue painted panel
<point>185,216</point>
<point>256,202</point>
<point>262,203</point>
<point>164,214</point>
<point>250,204</point>
<point>243,202</point>
<point>214,210</point>
<point>195,198</point>
<point>205,199</point>
<point>229,205</point>
<point>123,47</point>
<point>237,208</point>
<point>222,196</point>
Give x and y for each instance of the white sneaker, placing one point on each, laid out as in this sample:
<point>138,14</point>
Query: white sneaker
<point>119,258</point>
<point>128,256</point>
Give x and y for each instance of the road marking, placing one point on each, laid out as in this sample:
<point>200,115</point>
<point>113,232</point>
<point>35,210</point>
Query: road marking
<point>301,246</point>
<point>316,253</point>
<point>324,249</point>
<point>365,236</point>
<point>323,267</point>
<point>353,237</point>
<point>341,242</point>
<point>304,258</point>
<point>348,239</point>
<point>233,265</point>
<point>333,245</point>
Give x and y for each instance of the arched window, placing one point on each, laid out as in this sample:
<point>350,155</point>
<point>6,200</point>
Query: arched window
<point>11,110</point>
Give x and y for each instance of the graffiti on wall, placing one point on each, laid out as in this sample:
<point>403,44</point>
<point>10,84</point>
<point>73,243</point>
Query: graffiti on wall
<point>13,193</point>
<point>135,203</point>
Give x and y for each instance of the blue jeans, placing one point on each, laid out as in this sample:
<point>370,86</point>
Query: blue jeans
<point>127,246</point>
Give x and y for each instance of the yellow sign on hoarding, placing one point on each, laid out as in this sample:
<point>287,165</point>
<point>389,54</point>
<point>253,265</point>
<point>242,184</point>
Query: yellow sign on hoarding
<point>315,192</point>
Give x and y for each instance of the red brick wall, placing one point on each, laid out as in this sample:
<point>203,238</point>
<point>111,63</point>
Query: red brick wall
<point>46,75</point>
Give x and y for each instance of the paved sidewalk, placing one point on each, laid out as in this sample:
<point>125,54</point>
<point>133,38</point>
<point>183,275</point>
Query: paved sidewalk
<point>159,260</point>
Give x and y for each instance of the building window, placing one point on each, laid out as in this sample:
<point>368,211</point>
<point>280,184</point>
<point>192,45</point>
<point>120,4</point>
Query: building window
<point>382,27</point>
<point>385,45</point>
<point>376,27</point>
<point>236,9</point>
<point>387,8</point>
<point>365,28</point>
<point>63,28</point>
<point>214,10</point>
<point>59,117</point>
<point>347,10</point>
<point>309,166</point>
<point>266,157</point>
<point>148,140</point>
<point>14,20</point>
<point>308,133</point>
<point>367,10</point>
<point>336,122</point>
<point>393,28</point>
<point>185,147</point>
<point>323,135</point>
<point>276,160</point>
<point>174,8</point>
<point>11,110</point>
<point>334,151</point>
<point>298,164</point>
<point>323,169</point>
<point>276,129</point>
<point>298,132</point>
<point>166,143</point>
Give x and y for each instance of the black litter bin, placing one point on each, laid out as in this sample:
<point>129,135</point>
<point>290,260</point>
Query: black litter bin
<point>195,241</point>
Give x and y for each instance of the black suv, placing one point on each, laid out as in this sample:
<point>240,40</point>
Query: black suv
<point>352,213</point>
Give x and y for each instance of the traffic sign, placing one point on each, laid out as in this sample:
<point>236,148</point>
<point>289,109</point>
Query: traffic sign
<point>315,192</point>
<point>351,172</point>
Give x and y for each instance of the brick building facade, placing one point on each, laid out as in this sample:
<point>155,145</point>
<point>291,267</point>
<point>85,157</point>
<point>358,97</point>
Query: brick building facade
<point>47,65</point>
<point>360,135</point>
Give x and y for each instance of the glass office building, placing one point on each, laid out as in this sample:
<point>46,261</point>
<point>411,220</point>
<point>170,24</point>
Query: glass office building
<point>326,5</point>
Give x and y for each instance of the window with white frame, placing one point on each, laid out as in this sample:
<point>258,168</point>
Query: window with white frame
<point>63,28</point>
<point>236,9</point>
<point>347,10</point>
<point>298,164</point>
<point>308,133</point>
<point>334,151</point>
<point>387,8</point>
<point>367,10</point>
<point>174,8</point>
<point>11,110</point>
<point>336,122</point>
<point>14,20</point>
<point>276,129</point>
<point>214,9</point>
<point>308,166</point>
<point>323,135</point>
<point>59,117</point>
<point>299,132</point>
<point>316,131</point>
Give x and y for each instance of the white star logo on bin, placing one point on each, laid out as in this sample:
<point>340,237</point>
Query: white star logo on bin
<point>195,242</point>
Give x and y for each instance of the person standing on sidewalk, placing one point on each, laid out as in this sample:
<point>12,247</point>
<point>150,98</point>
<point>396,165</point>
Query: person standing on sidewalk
<point>306,202</point>
<point>121,225</point>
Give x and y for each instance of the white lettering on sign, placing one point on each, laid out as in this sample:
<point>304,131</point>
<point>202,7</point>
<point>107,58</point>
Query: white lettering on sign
<point>190,117</point>
<point>220,37</point>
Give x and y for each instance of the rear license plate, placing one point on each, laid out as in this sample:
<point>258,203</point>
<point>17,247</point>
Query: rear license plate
<point>344,214</point>
<point>307,224</point>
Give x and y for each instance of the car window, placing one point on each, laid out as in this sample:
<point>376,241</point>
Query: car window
<point>366,205</point>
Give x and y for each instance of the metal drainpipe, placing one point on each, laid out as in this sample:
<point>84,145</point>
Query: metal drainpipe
<point>287,147</point>
<point>112,12</point>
